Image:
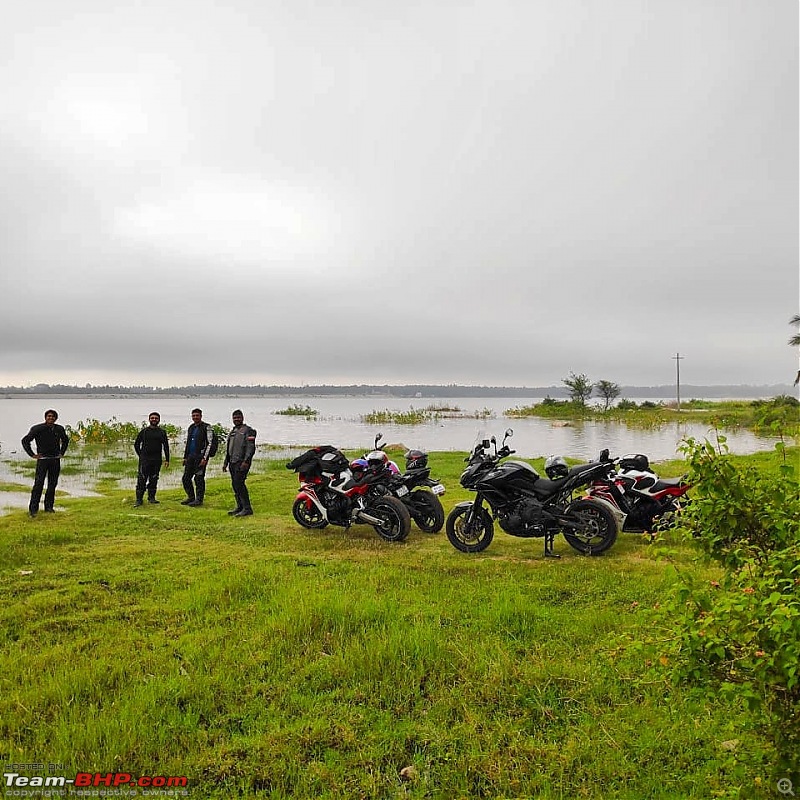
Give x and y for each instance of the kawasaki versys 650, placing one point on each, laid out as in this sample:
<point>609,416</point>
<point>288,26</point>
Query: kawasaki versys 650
<point>527,505</point>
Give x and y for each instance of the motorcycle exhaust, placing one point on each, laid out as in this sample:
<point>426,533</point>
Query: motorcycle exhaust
<point>369,519</point>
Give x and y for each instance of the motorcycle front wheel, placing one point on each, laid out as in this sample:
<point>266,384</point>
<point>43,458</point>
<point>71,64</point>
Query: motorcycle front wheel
<point>308,515</point>
<point>396,522</point>
<point>598,528</point>
<point>468,531</point>
<point>426,509</point>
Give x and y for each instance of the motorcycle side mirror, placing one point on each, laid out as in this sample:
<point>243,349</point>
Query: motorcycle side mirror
<point>486,443</point>
<point>604,455</point>
<point>377,439</point>
<point>509,432</point>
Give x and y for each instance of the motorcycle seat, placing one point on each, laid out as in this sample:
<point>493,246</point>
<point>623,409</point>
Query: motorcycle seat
<point>582,467</point>
<point>545,487</point>
<point>667,483</point>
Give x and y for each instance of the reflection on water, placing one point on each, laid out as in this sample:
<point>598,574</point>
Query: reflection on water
<point>79,477</point>
<point>84,469</point>
<point>339,423</point>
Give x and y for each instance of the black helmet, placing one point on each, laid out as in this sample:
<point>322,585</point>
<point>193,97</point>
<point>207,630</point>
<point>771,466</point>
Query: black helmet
<point>556,467</point>
<point>416,459</point>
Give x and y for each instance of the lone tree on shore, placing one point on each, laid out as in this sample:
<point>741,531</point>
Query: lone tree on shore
<point>609,391</point>
<point>579,387</point>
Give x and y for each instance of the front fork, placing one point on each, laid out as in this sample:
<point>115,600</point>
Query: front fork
<point>474,514</point>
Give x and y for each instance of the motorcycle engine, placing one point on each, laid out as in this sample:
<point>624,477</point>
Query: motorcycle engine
<point>337,505</point>
<point>523,519</point>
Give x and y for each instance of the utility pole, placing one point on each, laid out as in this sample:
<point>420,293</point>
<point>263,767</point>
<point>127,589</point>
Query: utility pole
<point>678,358</point>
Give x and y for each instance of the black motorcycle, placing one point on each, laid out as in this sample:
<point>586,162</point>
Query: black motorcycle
<point>419,492</point>
<point>527,505</point>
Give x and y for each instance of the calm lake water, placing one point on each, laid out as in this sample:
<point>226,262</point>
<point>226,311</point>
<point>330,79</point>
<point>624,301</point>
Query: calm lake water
<point>338,423</point>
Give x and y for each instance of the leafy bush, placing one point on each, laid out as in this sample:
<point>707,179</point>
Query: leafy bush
<point>626,405</point>
<point>778,414</point>
<point>741,633</point>
<point>93,431</point>
<point>222,433</point>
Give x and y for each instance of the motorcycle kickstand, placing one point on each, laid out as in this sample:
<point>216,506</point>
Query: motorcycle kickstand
<point>548,546</point>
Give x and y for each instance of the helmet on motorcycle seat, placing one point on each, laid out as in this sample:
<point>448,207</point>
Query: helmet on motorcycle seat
<point>556,467</point>
<point>635,461</point>
<point>416,459</point>
<point>358,466</point>
<point>377,459</point>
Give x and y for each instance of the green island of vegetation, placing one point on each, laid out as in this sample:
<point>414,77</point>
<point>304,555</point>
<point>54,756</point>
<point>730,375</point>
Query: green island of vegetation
<point>762,416</point>
<point>296,410</point>
<point>260,659</point>
<point>420,416</point>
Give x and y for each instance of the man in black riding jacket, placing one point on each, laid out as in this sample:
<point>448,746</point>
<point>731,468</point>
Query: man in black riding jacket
<point>51,444</point>
<point>195,459</point>
<point>239,452</point>
<point>148,445</point>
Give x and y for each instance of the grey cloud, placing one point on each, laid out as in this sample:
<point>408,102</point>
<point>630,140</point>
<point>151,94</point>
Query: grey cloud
<point>473,193</point>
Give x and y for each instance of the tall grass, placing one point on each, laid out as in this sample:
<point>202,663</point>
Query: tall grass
<point>265,660</point>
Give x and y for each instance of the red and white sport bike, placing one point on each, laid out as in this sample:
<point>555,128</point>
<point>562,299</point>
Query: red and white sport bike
<point>330,494</point>
<point>648,502</point>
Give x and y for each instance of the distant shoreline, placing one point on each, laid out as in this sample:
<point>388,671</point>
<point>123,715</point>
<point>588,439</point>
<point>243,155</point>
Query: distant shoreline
<point>413,392</point>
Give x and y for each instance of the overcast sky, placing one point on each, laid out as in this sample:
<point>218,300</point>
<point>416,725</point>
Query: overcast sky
<point>479,192</point>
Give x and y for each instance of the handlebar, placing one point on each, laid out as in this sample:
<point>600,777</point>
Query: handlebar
<point>481,451</point>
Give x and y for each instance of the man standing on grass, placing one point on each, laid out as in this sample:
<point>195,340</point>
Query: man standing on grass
<point>199,439</point>
<point>239,452</point>
<point>51,444</point>
<point>148,446</point>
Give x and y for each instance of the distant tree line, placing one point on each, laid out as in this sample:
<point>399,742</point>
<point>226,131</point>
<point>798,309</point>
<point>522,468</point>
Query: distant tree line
<point>386,390</point>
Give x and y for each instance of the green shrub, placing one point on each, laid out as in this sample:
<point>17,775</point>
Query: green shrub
<point>740,634</point>
<point>779,414</point>
<point>93,431</point>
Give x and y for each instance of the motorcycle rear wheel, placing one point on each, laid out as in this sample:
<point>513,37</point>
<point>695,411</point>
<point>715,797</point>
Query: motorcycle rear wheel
<point>309,516</point>
<point>396,520</point>
<point>427,511</point>
<point>467,534</point>
<point>600,528</point>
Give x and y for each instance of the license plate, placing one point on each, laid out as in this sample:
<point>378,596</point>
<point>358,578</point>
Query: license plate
<point>437,488</point>
<point>401,490</point>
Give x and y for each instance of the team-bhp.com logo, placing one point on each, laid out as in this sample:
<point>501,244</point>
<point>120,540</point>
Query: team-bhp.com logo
<point>118,780</point>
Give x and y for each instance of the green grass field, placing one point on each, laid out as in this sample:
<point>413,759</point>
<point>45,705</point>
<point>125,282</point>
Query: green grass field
<point>263,660</point>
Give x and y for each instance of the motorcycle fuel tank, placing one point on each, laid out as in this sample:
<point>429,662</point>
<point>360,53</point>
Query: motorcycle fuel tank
<point>512,473</point>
